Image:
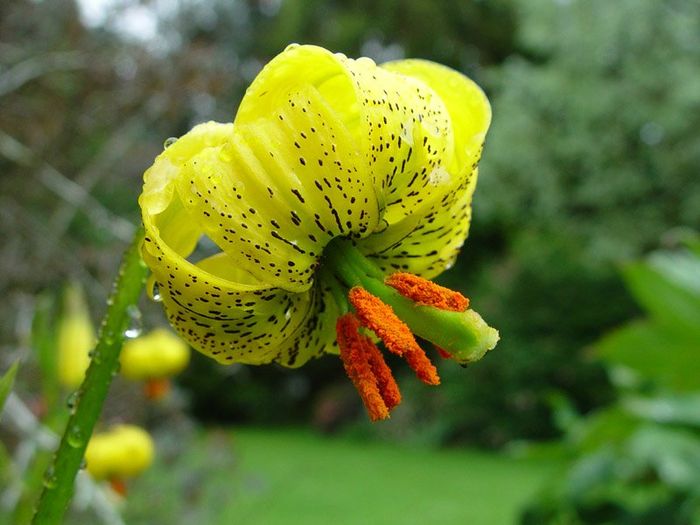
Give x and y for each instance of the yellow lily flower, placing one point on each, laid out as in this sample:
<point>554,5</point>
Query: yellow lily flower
<point>335,175</point>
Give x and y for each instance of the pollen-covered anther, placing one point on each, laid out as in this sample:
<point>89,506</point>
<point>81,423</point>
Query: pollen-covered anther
<point>386,383</point>
<point>366,368</point>
<point>425,292</point>
<point>381,319</point>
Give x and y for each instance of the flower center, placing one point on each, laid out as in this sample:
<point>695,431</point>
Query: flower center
<point>395,308</point>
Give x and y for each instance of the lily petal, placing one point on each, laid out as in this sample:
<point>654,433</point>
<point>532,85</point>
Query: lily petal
<point>426,241</point>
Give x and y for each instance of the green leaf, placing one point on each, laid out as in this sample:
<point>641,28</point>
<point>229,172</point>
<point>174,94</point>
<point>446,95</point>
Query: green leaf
<point>7,382</point>
<point>680,267</point>
<point>663,297</point>
<point>673,453</point>
<point>683,410</point>
<point>665,355</point>
<point>605,427</point>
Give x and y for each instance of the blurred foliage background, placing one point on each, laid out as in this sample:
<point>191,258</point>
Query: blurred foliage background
<point>592,161</point>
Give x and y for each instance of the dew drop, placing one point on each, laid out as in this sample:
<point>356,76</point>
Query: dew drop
<point>108,338</point>
<point>50,480</point>
<point>224,156</point>
<point>169,142</point>
<point>75,437</point>
<point>72,401</point>
<point>134,326</point>
<point>154,293</point>
<point>97,358</point>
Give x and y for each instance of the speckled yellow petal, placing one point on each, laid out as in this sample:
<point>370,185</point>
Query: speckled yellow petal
<point>298,183</point>
<point>322,147</point>
<point>161,207</point>
<point>466,103</point>
<point>234,321</point>
<point>426,241</point>
<point>395,121</point>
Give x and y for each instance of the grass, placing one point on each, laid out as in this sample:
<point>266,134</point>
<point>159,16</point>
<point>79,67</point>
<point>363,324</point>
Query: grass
<point>293,477</point>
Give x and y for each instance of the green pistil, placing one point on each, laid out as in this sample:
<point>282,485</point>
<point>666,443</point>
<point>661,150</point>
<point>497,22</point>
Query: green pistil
<point>465,335</point>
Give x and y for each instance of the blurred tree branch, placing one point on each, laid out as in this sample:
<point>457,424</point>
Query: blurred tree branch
<point>65,188</point>
<point>34,67</point>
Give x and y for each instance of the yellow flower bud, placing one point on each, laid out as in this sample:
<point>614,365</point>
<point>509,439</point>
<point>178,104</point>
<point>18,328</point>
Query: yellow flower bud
<point>156,355</point>
<point>122,452</point>
<point>75,338</point>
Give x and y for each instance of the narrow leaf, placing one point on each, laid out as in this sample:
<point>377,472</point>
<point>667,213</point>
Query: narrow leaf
<point>7,382</point>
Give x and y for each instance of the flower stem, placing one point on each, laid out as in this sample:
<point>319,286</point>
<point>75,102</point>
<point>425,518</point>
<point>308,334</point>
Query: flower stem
<point>465,335</point>
<point>88,400</point>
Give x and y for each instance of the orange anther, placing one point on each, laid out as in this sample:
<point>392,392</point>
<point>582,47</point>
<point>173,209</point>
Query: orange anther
<point>386,383</point>
<point>426,292</point>
<point>381,319</point>
<point>356,361</point>
<point>425,371</point>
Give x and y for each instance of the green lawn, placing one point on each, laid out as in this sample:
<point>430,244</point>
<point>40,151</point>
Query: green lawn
<point>288,477</point>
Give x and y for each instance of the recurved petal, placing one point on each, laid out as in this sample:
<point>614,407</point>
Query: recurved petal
<point>429,244</point>
<point>270,193</point>
<point>229,315</point>
<point>426,241</point>
<point>468,108</point>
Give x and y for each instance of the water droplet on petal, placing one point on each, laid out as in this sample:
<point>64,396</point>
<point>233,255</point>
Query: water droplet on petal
<point>154,293</point>
<point>169,142</point>
<point>134,325</point>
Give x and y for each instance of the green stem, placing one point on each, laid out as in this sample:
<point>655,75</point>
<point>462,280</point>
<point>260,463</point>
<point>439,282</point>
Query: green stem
<point>59,479</point>
<point>465,335</point>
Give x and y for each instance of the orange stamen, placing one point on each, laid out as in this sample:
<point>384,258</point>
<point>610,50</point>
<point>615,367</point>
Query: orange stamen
<point>386,383</point>
<point>155,389</point>
<point>119,486</point>
<point>381,319</point>
<point>425,371</point>
<point>354,356</point>
<point>426,292</point>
